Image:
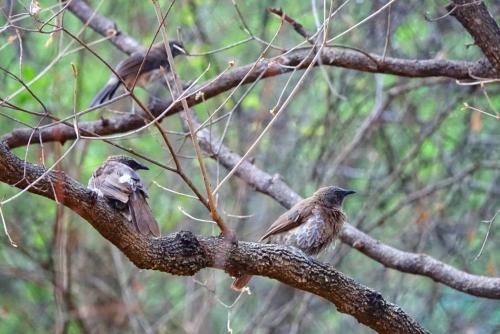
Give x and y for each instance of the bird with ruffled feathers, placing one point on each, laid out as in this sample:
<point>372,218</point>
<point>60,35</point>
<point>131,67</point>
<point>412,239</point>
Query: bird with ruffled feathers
<point>310,225</point>
<point>117,181</point>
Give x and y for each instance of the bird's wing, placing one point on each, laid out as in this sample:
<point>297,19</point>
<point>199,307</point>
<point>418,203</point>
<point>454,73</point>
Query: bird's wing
<point>290,219</point>
<point>115,181</point>
<point>113,188</point>
<point>125,68</point>
<point>142,216</point>
<point>131,65</point>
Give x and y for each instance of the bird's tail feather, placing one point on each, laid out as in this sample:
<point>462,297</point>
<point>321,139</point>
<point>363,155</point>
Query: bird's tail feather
<point>106,93</point>
<point>240,282</point>
<point>142,216</point>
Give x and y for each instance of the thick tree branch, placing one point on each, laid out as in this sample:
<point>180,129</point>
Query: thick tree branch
<point>474,16</point>
<point>273,186</point>
<point>63,132</point>
<point>347,59</point>
<point>265,68</point>
<point>390,257</point>
<point>183,253</point>
<point>103,26</point>
<point>419,264</point>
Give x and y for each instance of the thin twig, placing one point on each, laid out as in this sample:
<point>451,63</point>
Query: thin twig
<point>489,222</point>
<point>299,28</point>
<point>226,231</point>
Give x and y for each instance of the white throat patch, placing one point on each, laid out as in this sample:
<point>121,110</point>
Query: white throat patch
<point>125,178</point>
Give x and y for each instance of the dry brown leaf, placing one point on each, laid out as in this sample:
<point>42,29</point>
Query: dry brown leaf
<point>475,122</point>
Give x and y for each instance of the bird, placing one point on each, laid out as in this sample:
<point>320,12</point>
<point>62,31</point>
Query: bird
<point>145,63</point>
<point>116,180</point>
<point>310,225</point>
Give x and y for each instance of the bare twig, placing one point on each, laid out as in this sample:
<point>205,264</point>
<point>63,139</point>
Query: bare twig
<point>226,231</point>
<point>489,222</point>
<point>299,28</point>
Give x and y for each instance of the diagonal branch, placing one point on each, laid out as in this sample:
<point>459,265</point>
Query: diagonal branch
<point>407,262</point>
<point>248,73</point>
<point>265,68</point>
<point>419,264</point>
<point>299,28</point>
<point>177,91</point>
<point>183,253</point>
<point>103,26</point>
<point>475,17</point>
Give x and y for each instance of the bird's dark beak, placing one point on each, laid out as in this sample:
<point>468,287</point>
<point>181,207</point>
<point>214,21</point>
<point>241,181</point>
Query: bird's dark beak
<point>348,192</point>
<point>141,166</point>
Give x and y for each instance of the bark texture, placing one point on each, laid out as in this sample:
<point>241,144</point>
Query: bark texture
<point>475,17</point>
<point>183,253</point>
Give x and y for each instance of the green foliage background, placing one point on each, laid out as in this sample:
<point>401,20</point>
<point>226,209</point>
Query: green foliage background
<point>425,135</point>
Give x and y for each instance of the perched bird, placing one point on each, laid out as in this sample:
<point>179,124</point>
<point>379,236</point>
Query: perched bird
<point>145,63</point>
<point>117,181</point>
<point>310,225</point>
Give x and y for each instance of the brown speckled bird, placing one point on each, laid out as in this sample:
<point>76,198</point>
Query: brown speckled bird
<point>147,62</point>
<point>117,181</point>
<point>310,225</point>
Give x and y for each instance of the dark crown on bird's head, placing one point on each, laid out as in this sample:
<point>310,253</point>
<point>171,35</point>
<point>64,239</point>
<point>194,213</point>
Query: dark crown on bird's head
<point>333,196</point>
<point>132,163</point>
